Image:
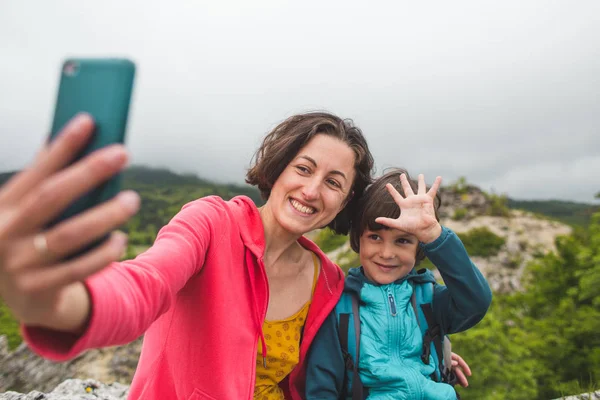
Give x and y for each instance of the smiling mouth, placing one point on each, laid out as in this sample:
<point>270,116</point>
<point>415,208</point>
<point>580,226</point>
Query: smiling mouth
<point>302,208</point>
<point>385,266</point>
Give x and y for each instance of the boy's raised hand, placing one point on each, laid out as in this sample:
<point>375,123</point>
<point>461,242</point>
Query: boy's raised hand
<point>417,212</point>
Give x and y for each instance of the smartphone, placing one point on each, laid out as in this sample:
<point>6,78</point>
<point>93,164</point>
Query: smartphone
<point>101,87</point>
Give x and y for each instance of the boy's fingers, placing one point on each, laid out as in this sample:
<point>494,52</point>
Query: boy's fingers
<point>394,193</point>
<point>389,222</point>
<point>435,187</point>
<point>52,158</point>
<point>406,186</point>
<point>421,187</point>
<point>460,376</point>
<point>461,363</point>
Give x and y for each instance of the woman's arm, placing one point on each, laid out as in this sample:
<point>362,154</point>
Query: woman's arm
<point>127,297</point>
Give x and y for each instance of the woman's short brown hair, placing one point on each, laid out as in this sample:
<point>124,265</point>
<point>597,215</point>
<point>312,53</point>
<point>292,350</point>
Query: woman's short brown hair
<point>284,142</point>
<point>377,202</point>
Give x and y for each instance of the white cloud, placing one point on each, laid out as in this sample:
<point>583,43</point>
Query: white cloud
<point>494,92</point>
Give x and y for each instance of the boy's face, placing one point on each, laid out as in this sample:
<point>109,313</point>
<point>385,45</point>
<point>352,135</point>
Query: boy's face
<point>387,254</point>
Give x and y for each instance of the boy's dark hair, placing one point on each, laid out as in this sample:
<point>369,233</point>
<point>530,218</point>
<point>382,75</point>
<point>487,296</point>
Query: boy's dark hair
<point>284,142</point>
<point>377,202</point>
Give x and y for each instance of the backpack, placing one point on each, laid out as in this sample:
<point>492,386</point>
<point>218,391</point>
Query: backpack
<point>435,343</point>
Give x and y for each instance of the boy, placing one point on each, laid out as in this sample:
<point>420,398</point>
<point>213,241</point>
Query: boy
<point>393,230</point>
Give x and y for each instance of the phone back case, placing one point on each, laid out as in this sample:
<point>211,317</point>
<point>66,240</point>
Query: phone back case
<point>102,88</point>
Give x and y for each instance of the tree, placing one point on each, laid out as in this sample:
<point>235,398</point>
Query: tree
<point>543,342</point>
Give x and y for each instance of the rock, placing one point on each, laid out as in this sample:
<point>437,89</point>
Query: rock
<point>471,202</point>
<point>526,237</point>
<point>24,371</point>
<point>75,389</point>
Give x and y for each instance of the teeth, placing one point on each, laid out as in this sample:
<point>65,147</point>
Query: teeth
<point>302,208</point>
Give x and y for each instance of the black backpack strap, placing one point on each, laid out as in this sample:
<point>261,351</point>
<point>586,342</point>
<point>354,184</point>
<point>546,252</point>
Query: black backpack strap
<point>358,392</point>
<point>343,333</point>
<point>433,334</point>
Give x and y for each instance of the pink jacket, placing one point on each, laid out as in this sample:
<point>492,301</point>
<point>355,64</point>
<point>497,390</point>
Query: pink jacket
<point>200,296</point>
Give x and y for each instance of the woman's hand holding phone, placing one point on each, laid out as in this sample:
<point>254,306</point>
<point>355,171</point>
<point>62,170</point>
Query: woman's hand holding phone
<point>36,283</point>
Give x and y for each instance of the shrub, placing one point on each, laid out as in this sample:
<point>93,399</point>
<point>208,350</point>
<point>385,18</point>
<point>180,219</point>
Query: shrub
<point>482,242</point>
<point>498,206</point>
<point>9,327</point>
<point>460,186</point>
<point>459,213</point>
<point>328,240</point>
<point>348,259</point>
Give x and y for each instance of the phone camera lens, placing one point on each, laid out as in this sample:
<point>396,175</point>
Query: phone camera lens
<point>70,68</point>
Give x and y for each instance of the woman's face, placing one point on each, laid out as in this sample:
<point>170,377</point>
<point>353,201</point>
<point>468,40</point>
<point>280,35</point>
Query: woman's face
<point>314,186</point>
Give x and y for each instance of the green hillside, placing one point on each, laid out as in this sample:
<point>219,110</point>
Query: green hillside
<point>163,194</point>
<point>571,213</point>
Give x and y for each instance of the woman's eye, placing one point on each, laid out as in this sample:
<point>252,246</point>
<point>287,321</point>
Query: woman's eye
<point>303,169</point>
<point>334,183</point>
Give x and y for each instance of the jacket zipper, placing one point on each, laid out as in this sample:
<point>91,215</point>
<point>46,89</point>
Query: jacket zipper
<point>392,302</point>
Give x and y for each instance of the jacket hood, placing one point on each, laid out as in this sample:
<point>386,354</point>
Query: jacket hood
<point>252,231</point>
<point>356,279</point>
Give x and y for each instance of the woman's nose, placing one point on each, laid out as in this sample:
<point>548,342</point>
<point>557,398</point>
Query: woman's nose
<point>310,191</point>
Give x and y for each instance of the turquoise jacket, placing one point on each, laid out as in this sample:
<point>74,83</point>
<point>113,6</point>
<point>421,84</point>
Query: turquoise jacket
<point>390,363</point>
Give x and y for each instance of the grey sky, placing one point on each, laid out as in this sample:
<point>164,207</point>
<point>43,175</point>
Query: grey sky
<point>504,93</point>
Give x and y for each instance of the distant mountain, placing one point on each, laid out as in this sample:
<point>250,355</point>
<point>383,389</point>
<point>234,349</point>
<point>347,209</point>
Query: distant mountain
<point>164,192</point>
<point>5,176</point>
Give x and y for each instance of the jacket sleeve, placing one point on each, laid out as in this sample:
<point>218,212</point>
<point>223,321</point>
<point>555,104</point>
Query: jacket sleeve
<point>465,299</point>
<point>325,367</point>
<point>127,297</point>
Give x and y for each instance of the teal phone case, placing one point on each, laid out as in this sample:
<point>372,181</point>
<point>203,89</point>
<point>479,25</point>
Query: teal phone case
<point>101,88</point>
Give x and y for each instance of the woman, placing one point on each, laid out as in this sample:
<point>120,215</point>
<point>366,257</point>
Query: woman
<point>228,298</point>
<point>216,272</point>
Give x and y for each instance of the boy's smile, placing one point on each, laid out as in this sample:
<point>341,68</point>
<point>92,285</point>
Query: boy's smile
<point>387,254</point>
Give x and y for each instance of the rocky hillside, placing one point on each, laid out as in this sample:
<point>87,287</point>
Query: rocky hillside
<point>23,371</point>
<point>525,235</point>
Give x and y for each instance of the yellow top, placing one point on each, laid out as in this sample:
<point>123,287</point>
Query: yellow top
<point>283,350</point>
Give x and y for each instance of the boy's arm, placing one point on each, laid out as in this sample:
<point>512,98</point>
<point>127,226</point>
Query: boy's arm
<point>325,367</point>
<point>465,299</point>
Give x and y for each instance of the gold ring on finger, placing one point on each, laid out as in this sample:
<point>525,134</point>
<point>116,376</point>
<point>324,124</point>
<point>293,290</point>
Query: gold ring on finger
<point>40,243</point>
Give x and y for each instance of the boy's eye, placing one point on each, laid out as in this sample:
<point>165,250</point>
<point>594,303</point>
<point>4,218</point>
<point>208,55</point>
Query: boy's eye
<point>373,236</point>
<point>404,241</point>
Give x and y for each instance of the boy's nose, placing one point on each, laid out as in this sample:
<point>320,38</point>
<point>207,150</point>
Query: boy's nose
<point>386,252</point>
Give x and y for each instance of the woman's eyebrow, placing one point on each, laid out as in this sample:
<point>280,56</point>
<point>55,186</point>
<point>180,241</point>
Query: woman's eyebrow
<point>312,161</point>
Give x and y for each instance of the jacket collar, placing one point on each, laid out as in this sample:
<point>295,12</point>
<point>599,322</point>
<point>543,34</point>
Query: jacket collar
<point>356,279</point>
